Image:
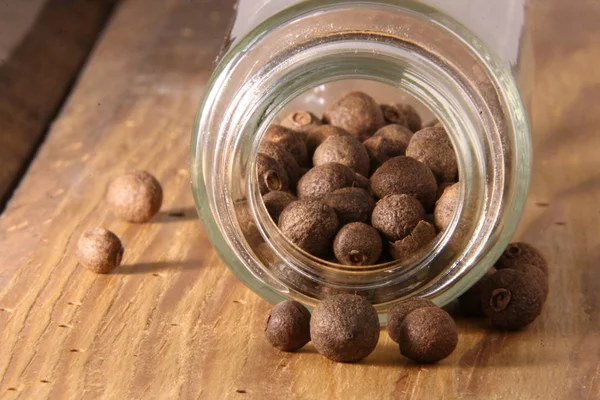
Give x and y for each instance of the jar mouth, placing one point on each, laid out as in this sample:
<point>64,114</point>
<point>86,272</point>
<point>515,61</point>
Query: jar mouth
<point>474,98</point>
<point>343,57</point>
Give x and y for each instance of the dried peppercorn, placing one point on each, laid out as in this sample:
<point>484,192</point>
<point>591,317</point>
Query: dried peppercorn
<point>301,120</point>
<point>318,134</point>
<point>357,113</point>
<point>428,335</point>
<point>435,133</point>
<point>276,202</point>
<point>438,156</point>
<point>445,207</point>
<point>536,273</point>
<point>284,158</point>
<point>407,247</point>
<point>324,179</point>
<point>522,253</point>
<point>405,175</point>
<point>402,114</point>
<point>271,175</point>
<point>344,328</point>
<point>396,216</point>
<point>511,299</point>
<point>100,250</point>
<point>344,150</point>
<point>398,312</point>
<point>135,196</point>
<point>357,244</point>
<point>351,204</point>
<point>290,140</point>
<point>288,326</point>
<point>388,142</point>
<point>309,224</point>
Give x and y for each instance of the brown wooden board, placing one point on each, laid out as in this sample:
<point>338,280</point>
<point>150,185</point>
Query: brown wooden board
<point>41,52</point>
<point>173,322</point>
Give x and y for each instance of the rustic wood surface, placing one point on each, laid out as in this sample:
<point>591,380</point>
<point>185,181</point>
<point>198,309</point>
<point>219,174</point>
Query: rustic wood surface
<point>172,322</point>
<point>43,44</point>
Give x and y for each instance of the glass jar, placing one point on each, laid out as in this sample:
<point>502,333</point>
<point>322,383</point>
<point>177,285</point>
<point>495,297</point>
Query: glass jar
<point>461,59</point>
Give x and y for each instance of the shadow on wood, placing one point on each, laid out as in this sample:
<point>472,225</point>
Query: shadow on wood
<point>175,215</point>
<point>157,267</point>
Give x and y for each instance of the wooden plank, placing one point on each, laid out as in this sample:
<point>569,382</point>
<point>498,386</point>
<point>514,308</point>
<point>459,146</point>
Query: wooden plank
<point>42,47</point>
<point>173,322</point>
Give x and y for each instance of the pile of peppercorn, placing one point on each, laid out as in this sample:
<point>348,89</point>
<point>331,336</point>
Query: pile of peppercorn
<point>336,193</point>
<point>366,184</point>
<point>345,328</point>
<point>363,185</point>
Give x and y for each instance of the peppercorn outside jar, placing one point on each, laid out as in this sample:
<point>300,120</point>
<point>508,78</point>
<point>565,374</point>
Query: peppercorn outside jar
<point>463,62</point>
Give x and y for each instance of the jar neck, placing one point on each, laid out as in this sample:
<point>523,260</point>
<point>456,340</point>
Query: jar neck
<point>409,47</point>
<point>498,25</point>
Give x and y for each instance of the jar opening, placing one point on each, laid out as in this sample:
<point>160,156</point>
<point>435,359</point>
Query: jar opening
<point>436,95</point>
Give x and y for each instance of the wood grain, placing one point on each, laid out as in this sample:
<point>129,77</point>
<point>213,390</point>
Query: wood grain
<point>41,51</point>
<point>172,322</point>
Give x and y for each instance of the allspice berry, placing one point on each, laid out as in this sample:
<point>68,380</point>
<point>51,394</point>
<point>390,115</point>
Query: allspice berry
<point>522,253</point>
<point>511,299</point>
<point>344,328</point>
<point>288,326</point>
<point>357,244</point>
<point>99,250</point>
<point>445,207</point>
<point>276,202</point>
<point>397,133</point>
<point>436,133</point>
<point>135,196</point>
<point>351,204</point>
<point>317,135</point>
<point>428,335</point>
<point>396,216</point>
<point>357,113</point>
<point>271,175</point>
<point>290,140</point>
<point>402,114</point>
<point>406,248</point>
<point>301,121</point>
<point>536,273</point>
<point>344,150</point>
<point>438,156</point>
<point>405,175</point>
<point>399,311</point>
<point>324,179</point>
<point>284,158</point>
<point>470,301</point>
<point>388,142</point>
<point>310,225</point>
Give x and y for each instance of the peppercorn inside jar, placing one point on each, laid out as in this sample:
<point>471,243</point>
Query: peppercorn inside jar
<point>352,179</point>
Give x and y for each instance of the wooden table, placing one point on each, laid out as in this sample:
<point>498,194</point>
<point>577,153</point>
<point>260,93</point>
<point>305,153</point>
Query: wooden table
<point>174,322</point>
<point>43,44</point>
